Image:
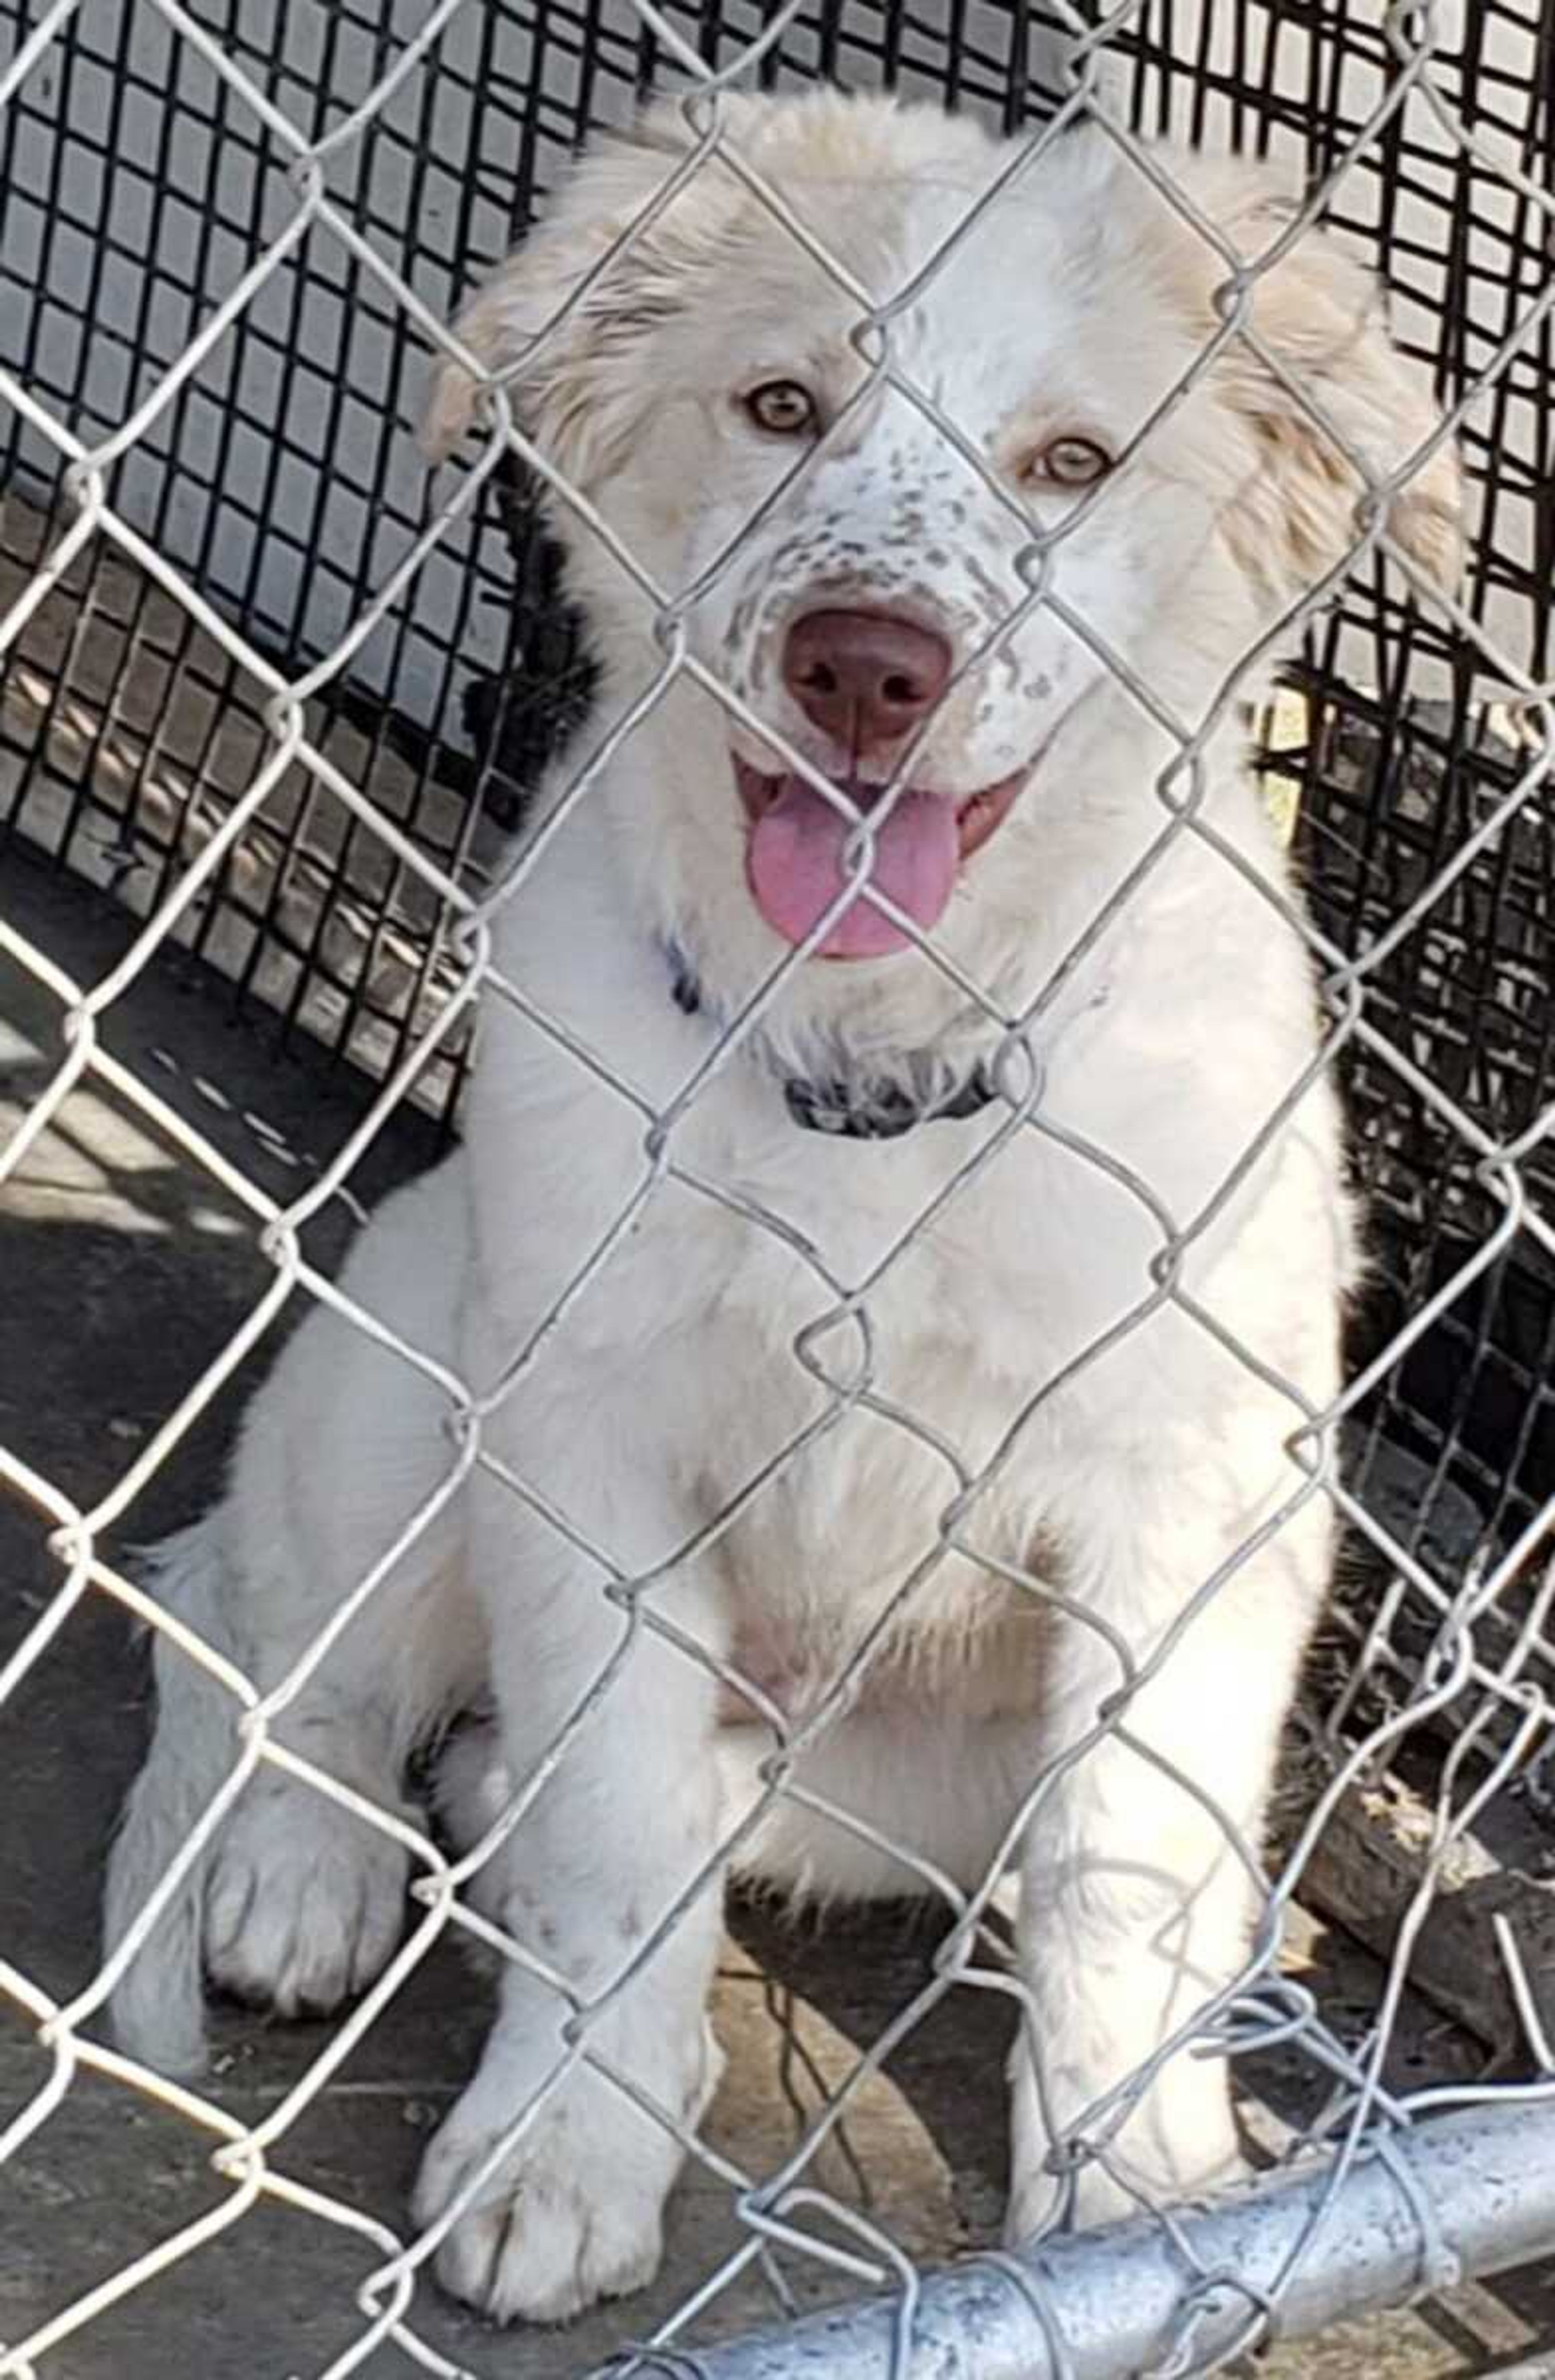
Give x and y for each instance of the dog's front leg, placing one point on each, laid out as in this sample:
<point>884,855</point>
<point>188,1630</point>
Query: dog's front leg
<point>623,1826</point>
<point>1138,1875</point>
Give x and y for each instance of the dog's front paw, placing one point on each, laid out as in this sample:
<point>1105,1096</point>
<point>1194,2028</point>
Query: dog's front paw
<point>573,2215</point>
<point>1180,2145</point>
<point>306,1901</point>
<point>1108,2193</point>
<point>1042,2202</point>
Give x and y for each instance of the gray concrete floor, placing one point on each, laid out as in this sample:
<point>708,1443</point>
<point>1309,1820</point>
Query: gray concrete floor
<point>121,1273</point>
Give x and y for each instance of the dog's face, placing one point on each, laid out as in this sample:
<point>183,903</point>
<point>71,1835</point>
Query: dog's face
<point>943,573</point>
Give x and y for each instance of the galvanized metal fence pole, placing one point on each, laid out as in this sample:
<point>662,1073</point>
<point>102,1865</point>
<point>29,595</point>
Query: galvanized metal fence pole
<point>1467,2196</point>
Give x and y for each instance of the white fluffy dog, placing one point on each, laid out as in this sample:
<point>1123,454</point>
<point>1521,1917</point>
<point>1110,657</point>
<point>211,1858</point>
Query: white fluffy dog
<point>969,1310</point>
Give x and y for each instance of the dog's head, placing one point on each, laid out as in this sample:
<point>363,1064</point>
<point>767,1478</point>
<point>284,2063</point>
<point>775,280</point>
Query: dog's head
<point>1055,499</point>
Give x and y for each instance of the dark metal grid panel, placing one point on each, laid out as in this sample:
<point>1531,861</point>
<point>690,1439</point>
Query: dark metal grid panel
<point>148,157</point>
<point>1454,1449</point>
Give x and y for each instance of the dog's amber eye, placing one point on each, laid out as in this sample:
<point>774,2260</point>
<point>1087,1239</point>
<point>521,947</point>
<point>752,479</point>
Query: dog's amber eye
<point>783,407</point>
<point>1071,462</point>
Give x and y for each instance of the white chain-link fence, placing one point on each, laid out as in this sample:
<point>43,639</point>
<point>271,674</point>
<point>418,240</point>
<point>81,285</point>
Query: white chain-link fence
<point>281,833</point>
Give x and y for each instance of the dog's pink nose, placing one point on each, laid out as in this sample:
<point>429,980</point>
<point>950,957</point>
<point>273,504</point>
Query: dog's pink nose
<point>865,677</point>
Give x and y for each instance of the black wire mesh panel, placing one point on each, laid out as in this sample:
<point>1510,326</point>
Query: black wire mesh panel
<point>136,190</point>
<point>1453,1447</point>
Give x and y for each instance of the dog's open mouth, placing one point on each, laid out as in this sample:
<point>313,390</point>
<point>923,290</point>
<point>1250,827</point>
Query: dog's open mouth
<point>795,865</point>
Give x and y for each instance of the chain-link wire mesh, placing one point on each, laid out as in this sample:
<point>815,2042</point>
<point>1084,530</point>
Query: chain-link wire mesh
<point>238,620</point>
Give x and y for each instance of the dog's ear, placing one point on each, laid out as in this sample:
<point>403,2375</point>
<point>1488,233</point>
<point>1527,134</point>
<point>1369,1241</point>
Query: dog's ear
<point>568,398</point>
<point>1321,317</point>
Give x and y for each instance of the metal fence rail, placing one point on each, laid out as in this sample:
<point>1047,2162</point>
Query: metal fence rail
<point>1467,2195</point>
<point>1430,835</point>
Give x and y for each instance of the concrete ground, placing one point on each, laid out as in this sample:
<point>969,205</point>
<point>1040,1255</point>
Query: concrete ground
<point>121,1275</point>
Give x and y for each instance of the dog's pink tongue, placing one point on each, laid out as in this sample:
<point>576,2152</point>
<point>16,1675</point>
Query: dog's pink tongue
<point>795,865</point>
